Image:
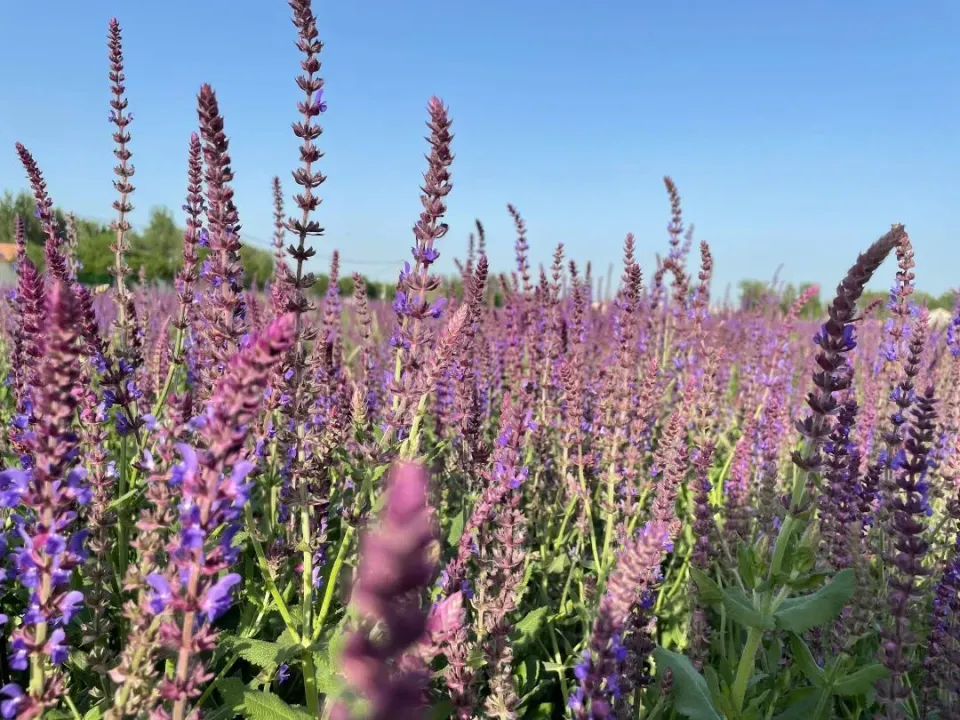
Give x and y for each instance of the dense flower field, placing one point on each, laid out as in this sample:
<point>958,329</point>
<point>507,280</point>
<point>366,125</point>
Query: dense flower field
<point>225,503</point>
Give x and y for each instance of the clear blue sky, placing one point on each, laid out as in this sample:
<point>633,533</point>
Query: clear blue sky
<point>796,131</point>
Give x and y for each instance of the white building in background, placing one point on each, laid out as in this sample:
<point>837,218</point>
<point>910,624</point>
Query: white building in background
<point>939,319</point>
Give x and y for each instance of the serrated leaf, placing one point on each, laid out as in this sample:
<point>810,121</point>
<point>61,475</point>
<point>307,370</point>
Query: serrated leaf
<point>328,681</point>
<point>337,641</point>
<point>231,690</point>
<point>690,693</point>
<point>861,681</point>
<point>710,592</point>
<point>224,712</point>
<point>742,610</point>
<point>456,529</point>
<point>265,655</point>
<point>802,613</point>
<point>259,705</point>
<point>526,630</point>
<point>804,660</point>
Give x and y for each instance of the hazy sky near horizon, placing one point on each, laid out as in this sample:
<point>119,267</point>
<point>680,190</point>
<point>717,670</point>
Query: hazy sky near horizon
<point>796,132</point>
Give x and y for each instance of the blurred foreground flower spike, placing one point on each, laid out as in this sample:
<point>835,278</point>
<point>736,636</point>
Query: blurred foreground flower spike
<point>396,565</point>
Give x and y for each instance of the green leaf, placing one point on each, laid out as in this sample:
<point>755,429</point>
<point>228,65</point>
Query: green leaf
<point>267,706</point>
<point>456,529</point>
<point>802,613</point>
<point>690,692</point>
<point>742,610</point>
<point>543,711</point>
<point>804,559</point>
<point>861,681</point>
<point>808,581</point>
<point>231,690</point>
<point>93,713</point>
<point>475,658</point>
<point>774,652</point>
<point>558,564</point>
<point>328,681</point>
<point>800,704</point>
<point>441,710</point>
<point>526,630</point>
<point>264,655</point>
<point>710,592</point>
<point>257,705</point>
<point>720,698</point>
<point>803,659</point>
<point>224,712</point>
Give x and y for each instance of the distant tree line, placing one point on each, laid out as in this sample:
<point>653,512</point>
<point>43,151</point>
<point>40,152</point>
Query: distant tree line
<point>755,293</point>
<point>157,248</point>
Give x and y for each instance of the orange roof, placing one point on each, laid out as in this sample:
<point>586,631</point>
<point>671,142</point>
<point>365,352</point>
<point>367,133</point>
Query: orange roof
<point>8,251</point>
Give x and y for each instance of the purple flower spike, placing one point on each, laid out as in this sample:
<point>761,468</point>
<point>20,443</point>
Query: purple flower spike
<point>211,482</point>
<point>395,567</point>
<point>218,598</point>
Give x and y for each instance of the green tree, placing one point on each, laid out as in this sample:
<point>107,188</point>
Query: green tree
<point>158,249</point>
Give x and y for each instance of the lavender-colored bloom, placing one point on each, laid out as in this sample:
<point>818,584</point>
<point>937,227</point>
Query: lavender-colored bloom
<point>394,567</point>
<point>638,568</point>
<point>47,496</point>
<point>212,484</point>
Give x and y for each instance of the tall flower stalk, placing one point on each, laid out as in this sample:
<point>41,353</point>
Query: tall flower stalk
<point>213,485</point>
<point>47,493</point>
<point>124,170</point>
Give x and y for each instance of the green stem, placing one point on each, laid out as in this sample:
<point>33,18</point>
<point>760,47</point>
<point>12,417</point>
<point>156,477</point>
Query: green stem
<point>306,606</point>
<point>171,371</point>
<point>412,445</point>
<point>558,540</point>
<point>122,528</point>
<point>268,577</point>
<point>566,584</point>
<point>586,505</point>
<point>310,682</point>
<point>746,667</point>
<point>557,656</point>
<point>246,633</point>
<point>332,581</point>
<point>608,531</point>
<point>73,707</point>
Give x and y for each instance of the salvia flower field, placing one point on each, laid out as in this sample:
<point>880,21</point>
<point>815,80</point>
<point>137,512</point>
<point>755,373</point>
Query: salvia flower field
<point>491,496</point>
